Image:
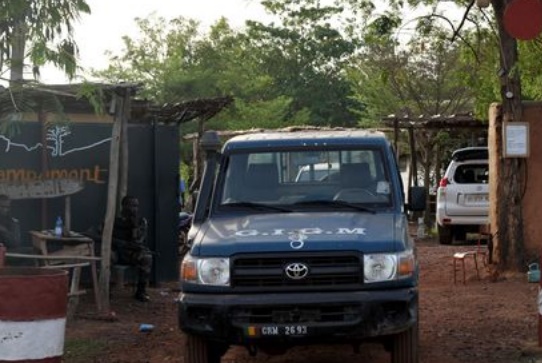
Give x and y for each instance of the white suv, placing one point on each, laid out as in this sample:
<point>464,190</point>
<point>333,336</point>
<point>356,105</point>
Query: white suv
<point>319,172</point>
<point>463,195</point>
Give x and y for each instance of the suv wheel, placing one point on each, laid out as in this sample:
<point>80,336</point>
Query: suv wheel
<point>200,350</point>
<point>444,235</point>
<point>405,346</point>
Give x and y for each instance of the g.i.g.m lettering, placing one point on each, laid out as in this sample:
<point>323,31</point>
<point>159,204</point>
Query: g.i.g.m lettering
<point>302,231</point>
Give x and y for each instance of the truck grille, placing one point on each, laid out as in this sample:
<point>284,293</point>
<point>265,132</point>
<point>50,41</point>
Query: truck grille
<point>325,270</point>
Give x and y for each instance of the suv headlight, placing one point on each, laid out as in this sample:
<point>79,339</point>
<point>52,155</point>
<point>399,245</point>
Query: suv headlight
<point>380,267</point>
<point>213,271</point>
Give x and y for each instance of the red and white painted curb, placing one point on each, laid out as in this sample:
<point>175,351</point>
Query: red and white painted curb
<point>33,307</point>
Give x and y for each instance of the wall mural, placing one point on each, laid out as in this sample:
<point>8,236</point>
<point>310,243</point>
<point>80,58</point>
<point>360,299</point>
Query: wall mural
<point>56,137</point>
<point>77,157</point>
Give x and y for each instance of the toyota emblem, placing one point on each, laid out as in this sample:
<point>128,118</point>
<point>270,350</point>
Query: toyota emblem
<point>296,271</point>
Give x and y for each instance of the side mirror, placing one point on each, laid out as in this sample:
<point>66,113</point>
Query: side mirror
<point>210,143</point>
<point>416,199</point>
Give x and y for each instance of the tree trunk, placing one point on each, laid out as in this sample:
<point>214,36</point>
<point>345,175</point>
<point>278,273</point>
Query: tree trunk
<point>438,163</point>
<point>413,158</point>
<point>508,242</point>
<point>17,52</point>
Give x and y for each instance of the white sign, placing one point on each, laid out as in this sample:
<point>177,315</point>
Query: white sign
<point>516,139</point>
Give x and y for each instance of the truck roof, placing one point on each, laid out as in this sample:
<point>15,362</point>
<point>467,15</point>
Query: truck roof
<point>471,153</point>
<point>306,138</point>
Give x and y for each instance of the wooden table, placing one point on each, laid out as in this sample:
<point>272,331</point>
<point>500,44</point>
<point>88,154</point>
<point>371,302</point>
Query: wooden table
<point>73,244</point>
<point>72,251</point>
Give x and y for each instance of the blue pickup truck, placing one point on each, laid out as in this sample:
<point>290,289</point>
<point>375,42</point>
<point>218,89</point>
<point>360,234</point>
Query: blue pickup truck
<point>277,261</point>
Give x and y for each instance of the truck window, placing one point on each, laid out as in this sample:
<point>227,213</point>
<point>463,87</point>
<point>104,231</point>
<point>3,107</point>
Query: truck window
<point>289,177</point>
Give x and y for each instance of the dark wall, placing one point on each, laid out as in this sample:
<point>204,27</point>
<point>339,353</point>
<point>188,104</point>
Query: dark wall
<point>82,151</point>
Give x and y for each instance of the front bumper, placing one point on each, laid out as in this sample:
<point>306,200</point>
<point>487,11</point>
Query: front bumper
<point>341,316</point>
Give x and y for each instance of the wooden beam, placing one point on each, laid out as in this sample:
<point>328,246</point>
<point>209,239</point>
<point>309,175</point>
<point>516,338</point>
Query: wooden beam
<point>111,209</point>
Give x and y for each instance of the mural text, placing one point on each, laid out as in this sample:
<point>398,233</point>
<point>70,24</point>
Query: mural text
<point>92,175</point>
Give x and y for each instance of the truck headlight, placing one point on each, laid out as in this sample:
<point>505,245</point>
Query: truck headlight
<point>206,271</point>
<point>380,267</point>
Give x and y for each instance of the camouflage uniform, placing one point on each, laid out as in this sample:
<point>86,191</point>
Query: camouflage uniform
<point>10,234</point>
<point>128,244</point>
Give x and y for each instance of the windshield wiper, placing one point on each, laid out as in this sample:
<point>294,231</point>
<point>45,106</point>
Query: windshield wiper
<point>337,203</point>
<point>257,206</point>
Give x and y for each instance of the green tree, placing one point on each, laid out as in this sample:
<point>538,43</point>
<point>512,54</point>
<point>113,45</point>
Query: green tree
<point>305,55</point>
<point>176,62</point>
<point>38,31</point>
<point>34,33</point>
<point>426,76</point>
<point>161,53</point>
<point>508,247</point>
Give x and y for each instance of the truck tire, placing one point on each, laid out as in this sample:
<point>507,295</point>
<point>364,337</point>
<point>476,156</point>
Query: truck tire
<point>199,350</point>
<point>444,235</point>
<point>405,346</point>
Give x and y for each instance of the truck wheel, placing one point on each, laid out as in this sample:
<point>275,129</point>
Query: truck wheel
<point>444,235</point>
<point>199,350</point>
<point>405,346</point>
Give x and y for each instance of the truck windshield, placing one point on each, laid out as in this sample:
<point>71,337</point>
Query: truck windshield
<point>307,179</point>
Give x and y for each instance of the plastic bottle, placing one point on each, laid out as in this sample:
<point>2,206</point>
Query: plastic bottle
<point>146,328</point>
<point>58,227</point>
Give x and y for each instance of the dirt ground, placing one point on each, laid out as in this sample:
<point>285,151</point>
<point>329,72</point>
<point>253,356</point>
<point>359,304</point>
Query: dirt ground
<point>486,321</point>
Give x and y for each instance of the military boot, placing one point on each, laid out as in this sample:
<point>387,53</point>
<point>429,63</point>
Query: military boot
<point>141,293</point>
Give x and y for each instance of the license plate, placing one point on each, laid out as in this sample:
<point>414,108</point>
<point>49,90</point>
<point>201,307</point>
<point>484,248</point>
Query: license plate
<point>476,198</point>
<point>275,330</point>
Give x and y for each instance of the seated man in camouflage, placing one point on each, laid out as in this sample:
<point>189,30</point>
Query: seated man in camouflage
<point>129,243</point>
<point>10,235</point>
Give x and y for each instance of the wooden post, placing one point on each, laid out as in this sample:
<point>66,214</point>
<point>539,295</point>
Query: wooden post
<point>42,120</point>
<point>124,159</point>
<point>112,189</point>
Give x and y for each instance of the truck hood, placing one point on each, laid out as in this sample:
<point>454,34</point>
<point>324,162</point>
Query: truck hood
<point>280,232</point>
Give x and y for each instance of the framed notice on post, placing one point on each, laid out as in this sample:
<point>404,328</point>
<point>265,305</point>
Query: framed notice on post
<point>516,139</point>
